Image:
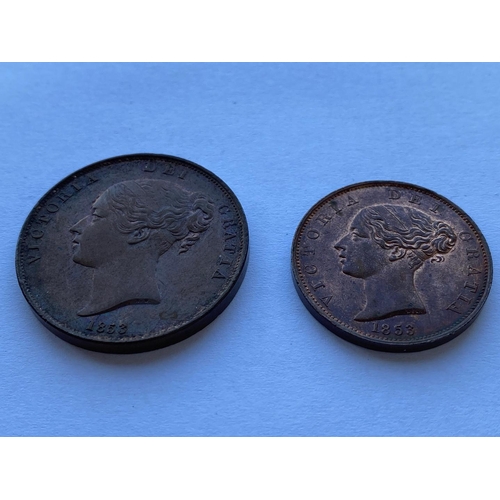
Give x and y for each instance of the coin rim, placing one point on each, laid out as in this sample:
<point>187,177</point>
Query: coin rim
<point>344,331</point>
<point>124,346</point>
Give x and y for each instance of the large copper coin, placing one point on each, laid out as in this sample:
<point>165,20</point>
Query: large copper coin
<point>391,266</point>
<point>133,253</point>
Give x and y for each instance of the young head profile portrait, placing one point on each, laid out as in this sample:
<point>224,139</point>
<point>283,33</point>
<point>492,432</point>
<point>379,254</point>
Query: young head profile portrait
<point>385,247</point>
<point>132,224</point>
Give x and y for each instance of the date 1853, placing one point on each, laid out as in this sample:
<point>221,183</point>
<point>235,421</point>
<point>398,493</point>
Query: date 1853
<point>398,330</point>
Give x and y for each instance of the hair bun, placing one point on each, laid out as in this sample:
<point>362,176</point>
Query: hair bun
<point>202,213</point>
<point>444,238</point>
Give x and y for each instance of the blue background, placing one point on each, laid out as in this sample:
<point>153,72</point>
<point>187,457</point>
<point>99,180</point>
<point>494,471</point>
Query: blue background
<point>282,136</point>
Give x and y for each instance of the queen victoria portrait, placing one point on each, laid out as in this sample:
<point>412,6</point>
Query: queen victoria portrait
<point>386,246</point>
<point>132,225</point>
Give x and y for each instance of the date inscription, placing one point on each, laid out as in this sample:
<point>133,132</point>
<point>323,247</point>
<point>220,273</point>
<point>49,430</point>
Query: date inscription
<point>108,328</point>
<point>398,330</point>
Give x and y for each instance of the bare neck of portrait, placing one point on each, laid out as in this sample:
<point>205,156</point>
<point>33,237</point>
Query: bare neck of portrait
<point>391,292</point>
<point>116,283</point>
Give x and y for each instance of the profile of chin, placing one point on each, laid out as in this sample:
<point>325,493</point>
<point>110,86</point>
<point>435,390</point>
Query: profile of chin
<point>351,273</point>
<point>78,260</point>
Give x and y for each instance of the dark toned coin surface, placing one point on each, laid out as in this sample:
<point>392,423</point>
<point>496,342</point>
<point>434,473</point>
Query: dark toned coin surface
<point>133,253</point>
<point>391,266</point>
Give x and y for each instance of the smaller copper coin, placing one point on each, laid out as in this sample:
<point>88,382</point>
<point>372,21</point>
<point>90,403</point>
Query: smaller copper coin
<point>391,266</point>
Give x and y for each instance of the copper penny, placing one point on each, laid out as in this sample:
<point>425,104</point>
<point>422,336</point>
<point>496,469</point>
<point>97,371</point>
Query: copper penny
<point>133,253</point>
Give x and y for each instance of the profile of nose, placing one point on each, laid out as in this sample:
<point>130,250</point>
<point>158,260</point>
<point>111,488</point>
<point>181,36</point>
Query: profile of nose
<point>340,245</point>
<point>79,226</point>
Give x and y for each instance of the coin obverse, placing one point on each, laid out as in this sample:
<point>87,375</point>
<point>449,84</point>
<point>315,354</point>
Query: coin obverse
<point>391,266</point>
<point>133,253</point>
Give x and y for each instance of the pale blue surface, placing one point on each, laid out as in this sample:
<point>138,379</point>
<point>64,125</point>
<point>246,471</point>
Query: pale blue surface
<point>282,137</point>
